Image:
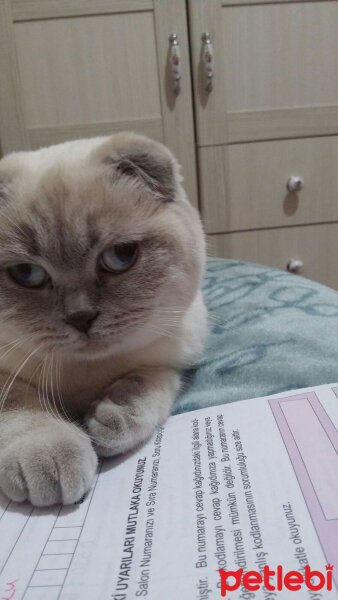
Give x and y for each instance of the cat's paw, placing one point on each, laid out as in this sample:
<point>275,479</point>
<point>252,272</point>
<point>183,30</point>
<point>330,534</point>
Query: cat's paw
<point>115,428</point>
<point>56,464</point>
<point>130,409</point>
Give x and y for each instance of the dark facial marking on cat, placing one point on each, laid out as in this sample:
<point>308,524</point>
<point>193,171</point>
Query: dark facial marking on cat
<point>29,238</point>
<point>92,234</point>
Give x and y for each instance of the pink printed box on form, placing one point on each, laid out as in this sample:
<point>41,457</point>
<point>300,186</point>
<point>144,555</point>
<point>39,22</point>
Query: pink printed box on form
<point>311,441</point>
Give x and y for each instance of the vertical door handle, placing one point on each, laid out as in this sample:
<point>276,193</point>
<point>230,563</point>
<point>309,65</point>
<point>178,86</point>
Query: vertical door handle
<point>175,62</point>
<point>208,60</point>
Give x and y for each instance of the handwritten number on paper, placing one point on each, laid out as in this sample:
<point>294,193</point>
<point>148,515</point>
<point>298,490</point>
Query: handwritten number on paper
<point>10,591</point>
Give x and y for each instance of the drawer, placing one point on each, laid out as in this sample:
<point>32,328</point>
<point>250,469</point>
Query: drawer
<point>315,245</point>
<point>244,186</point>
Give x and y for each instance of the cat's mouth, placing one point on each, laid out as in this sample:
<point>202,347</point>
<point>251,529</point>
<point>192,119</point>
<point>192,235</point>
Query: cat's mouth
<point>87,349</point>
<point>92,345</point>
<point>88,342</point>
<point>95,345</point>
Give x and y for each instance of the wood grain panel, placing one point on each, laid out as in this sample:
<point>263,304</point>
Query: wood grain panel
<point>177,110</point>
<point>45,136</point>
<point>249,2</point>
<point>281,55</point>
<point>210,108</point>
<point>272,61</point>
<point>12,124</point>
<point>251,184</point>
<point>26,10</point>
<point>88,69</point>
<point>315,245</point>
<point>246,126</point>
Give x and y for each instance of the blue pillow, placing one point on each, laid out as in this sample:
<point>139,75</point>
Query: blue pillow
<point>270,331</point>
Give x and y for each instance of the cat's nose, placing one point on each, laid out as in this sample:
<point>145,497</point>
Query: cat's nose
<point>82,320</point>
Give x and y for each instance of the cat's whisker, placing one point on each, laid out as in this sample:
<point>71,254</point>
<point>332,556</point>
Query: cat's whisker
<point>214,322</point>
<point>170,320</point>
<point>55,411</point>
<point>49,394</point>
<point>28,386</point>
<point>9,344</point>
<point>15,224</point>
<point>14,345</point>
<point>41,386</point>
<point>47,390</point>
<point>168,314</point>
<point>42,400</point>
<point>161,332</point>
<point>8,386</point>
<point>62,416</point>
<point>58,390</point>
<point>39,381</point>
<point>169,309</point>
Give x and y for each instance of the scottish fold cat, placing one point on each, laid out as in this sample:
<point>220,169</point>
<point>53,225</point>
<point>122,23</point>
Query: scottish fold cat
<point>101,259</point>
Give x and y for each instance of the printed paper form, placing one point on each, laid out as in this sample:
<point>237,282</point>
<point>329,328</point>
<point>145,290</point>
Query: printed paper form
<point>37,546</point>
<point>216,488</point>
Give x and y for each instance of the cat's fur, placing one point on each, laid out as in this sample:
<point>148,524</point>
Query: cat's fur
<point>59,208</point>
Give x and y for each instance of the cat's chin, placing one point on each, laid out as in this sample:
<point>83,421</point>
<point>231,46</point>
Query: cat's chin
<point>95,349</point>
<point>91,350</point>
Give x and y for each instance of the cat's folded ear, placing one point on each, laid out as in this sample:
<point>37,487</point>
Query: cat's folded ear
<point>9,166</point>
<point>4,193</point>
<point>142,163</point>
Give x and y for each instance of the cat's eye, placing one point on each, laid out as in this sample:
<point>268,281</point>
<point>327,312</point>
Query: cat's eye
<point>28,275</point>
<point>119,258</point>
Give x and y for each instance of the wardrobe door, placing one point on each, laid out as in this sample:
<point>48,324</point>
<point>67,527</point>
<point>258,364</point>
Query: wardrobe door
<point>267,70</point>
<point>74,68</point>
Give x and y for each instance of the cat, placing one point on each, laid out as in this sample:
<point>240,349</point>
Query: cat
<point>101,261</point>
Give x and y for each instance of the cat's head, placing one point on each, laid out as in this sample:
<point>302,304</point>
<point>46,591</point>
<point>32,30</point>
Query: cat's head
<point>99,249</point>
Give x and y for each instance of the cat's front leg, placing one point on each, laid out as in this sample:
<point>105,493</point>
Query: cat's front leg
<point>43,459</point>
<point>131,408</point>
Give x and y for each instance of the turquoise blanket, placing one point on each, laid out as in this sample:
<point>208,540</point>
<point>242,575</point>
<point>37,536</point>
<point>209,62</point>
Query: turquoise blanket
<point>269,332</point>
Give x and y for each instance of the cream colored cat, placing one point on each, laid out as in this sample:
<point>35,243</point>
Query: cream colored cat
<point>101,258</point>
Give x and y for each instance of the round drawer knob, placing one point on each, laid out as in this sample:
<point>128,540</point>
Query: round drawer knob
<point>294,184</point>
<point>295,266</point>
